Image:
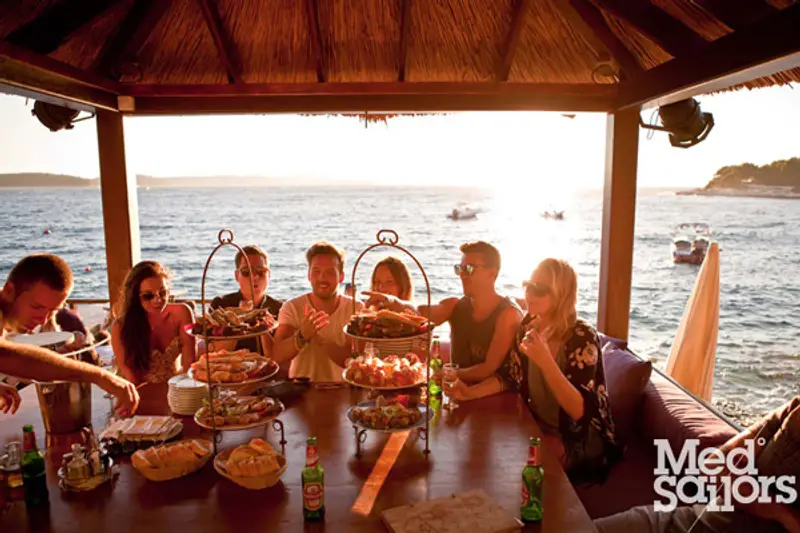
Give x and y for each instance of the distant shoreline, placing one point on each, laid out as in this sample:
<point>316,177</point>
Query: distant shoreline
<point>737,193</point>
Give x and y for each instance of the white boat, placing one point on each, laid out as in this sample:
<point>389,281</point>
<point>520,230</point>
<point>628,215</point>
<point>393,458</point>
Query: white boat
<point>690,243</point>
<point>464,212</point>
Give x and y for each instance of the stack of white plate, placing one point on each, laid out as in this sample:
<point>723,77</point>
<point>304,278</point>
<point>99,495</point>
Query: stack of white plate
<point>186,395</point>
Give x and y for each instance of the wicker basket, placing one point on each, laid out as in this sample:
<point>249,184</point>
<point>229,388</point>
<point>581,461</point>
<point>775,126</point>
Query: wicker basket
<point>173,472</point>
<point>252,483</point>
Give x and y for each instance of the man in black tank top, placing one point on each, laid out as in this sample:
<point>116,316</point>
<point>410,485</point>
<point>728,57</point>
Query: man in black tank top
<point>482,323</point>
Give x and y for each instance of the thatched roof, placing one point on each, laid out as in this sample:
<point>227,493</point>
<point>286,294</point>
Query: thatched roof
<point>152,48</point>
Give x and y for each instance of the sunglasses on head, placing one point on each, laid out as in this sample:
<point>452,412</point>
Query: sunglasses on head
<point>148,296</point>
<point>259,272</point>
<point>466,270</point>
<point>535,289</point>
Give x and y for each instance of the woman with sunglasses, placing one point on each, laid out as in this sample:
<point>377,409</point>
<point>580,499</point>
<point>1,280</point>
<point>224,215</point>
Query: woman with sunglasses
<point>557,366</point>
<point>149,342</point>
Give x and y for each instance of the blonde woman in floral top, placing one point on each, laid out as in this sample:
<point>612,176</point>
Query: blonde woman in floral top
<point>557,366</point>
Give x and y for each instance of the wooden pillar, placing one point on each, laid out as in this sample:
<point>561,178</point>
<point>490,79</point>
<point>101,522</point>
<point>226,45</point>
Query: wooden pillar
<point>120,207</point>
<point>619,214</point>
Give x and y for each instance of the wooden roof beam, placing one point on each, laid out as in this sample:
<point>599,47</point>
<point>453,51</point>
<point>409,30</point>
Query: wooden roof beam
<point>655,24</point>
<point>405,31</point>
<point>312,10</point>
<point>370,97</point>
<point>589,21</point>
<point>521,8</point>
<point>766,47</point>
<point>46,33</point>
<point>30,75</point>
<point>737,14</point>
<point>129,39</point>
<point>222,42</point>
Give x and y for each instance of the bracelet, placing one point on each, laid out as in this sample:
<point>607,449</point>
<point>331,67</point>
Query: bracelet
<point>299,341</point>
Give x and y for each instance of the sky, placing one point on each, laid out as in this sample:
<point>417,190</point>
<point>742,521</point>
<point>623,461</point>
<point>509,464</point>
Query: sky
<point>463,149</point>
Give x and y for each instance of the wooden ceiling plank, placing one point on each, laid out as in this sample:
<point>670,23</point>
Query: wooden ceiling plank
<point>46,33</point>
<point>22,70</point>
<point>312,11</point>
<point>589,21</point>
<point>521,8</point>
<point>764,48</point>
<point>405,32</point>
<point>737,14</point>
<point>657,25</point>
<point>225,49</point>
<point>131,35</point>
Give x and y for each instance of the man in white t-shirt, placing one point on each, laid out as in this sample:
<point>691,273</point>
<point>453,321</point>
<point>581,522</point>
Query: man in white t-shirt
<point>310,330</point>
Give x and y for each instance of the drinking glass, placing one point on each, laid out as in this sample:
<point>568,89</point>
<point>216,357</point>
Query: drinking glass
<point>449,378</point>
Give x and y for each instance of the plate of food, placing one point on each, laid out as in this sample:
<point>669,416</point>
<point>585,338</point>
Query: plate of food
<point>386,325</point>
<point>390,373</point>
<point>230,323</point>
<point>174,460</point>
<point>233,413</point>
<point>240,367</point>
<point>388,415</point>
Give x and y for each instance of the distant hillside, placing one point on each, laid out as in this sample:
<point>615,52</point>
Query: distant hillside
<point>37,179</point>
<point>784,173</point>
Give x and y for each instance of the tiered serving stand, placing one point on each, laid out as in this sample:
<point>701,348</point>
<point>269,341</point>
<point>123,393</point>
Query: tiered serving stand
<point>225,238</point>
<point>388,238</point>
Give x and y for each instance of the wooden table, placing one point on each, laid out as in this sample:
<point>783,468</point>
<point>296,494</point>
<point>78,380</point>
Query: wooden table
<point>481,445</point>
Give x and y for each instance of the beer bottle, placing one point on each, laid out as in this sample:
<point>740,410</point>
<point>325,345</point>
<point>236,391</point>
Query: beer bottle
<point>434,388</point>
<point>532,485</point>
<point>34,480</point>
<point>313,477</point>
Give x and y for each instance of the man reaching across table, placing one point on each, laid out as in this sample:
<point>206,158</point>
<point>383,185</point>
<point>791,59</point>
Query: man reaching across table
<point>36,288</point>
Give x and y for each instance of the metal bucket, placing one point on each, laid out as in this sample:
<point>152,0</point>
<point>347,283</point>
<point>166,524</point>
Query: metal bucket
<point>66,406</point>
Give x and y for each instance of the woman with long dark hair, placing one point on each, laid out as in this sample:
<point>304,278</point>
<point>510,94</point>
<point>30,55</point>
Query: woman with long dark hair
<point>149,342</point>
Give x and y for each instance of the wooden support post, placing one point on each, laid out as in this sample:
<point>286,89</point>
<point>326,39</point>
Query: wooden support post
<point>120,207</point>
<point>619,215</point>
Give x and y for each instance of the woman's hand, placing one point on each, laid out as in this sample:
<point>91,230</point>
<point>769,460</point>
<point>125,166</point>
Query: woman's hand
<point>460,391</point>
<point>9,399</point>
<point>381,301</point>
<point>534,346</point>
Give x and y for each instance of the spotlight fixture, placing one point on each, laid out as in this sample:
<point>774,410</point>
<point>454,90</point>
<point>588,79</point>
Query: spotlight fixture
<point>56,117</point>
<point>686,124</point>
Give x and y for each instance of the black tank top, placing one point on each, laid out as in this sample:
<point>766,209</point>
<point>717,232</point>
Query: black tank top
<point>470,340</point>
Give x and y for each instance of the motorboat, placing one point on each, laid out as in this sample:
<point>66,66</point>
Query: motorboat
<point>690,243</point>
<point>464,212</point>
<point>553,215</point>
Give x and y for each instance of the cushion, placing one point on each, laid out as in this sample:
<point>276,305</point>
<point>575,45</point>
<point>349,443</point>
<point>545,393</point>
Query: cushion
<point>626,378</point>
<point>621,343</point>
<point>669,413</point>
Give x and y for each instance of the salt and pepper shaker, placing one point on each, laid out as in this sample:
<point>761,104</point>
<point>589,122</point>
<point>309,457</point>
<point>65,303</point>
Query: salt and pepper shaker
<point>78,467</point>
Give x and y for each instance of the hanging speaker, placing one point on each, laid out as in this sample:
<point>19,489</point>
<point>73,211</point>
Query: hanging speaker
<point>56,117</point>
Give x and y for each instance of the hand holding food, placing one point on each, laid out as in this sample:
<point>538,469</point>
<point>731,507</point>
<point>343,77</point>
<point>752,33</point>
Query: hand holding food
<point>387,324</point>
<point>9,399</point>
<point>391,372</point>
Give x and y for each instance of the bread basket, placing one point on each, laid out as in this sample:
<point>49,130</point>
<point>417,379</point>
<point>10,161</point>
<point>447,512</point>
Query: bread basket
<point>252,483</point>
<point>176,471</point>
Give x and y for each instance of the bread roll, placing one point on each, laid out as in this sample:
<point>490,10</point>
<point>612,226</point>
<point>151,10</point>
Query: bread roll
<point>250,467</point>
<point>233,468</point>
<point>262,446</point>
<point>199,448</point>
<point>140,461</point>
<point>242,453</point>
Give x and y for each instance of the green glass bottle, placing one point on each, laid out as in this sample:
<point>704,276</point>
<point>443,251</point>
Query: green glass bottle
<point>34,475</point>
<point>531,509</point>
<point>313,478</point>
<point>436,364</point>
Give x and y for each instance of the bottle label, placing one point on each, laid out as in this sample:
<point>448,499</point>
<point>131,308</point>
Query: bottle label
<point>525,494</point>
<point>28,441</point>
<point>313,496</point>
<point>533,456</point>
<point>312,458</point>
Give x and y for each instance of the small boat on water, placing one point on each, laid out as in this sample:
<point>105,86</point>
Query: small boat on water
<point>690,243</point>
<point>464,212</point>
<point>553,215</point>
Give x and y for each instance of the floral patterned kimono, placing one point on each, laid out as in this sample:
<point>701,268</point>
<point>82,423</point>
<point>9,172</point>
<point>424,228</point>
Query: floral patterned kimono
<point>590,446</point>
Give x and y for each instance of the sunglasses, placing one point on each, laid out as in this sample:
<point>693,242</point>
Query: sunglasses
<point>535,289</point>
<point>466,270</point>
<point>259,272</point>
<point>148,296</point>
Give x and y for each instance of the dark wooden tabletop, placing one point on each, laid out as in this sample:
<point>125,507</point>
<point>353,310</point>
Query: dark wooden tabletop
<point>481,445</point>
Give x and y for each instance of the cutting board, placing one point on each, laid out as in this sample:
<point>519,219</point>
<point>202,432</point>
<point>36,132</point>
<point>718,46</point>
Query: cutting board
<point>472,511</point>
